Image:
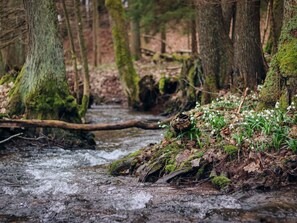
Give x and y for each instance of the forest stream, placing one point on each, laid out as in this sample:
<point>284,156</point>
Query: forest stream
<point>57,185</point>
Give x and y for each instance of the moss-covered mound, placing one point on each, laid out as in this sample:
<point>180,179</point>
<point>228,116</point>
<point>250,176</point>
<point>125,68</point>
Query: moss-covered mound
<point>216,143</point>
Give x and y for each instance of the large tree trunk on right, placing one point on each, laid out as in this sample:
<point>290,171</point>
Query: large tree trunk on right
<point>248,57</point>
<point>281,81</point>
<point>215,48</point>
<point>128,75</point>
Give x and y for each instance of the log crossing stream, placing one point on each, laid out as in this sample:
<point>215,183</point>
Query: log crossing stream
<point>57,185</point>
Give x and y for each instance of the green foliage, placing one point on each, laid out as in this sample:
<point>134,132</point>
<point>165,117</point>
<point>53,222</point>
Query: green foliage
<point>220,181</point>
<point>231,149</point>
<point>7,78</point>
<point>287,58</point>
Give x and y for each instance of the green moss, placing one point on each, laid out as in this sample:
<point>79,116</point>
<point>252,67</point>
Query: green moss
<point>287,58</point>
<point>161,84</point>
<point>220,181</point>
<point>284,100</point>
<point>200,154</point>
<point>84,106</point>
<point>170,168</point>
<point>7,78</point>
<point>231,149</point>
<point>134,154</point>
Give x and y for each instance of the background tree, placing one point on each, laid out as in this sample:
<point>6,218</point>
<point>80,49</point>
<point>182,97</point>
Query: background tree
<point>73,51</point>
<point>96,25</point>
<point>128,75</point>
<point>248,57</point>
<point>41,90</point>
<point>281,81</point>
<point>215,48</point>
<point>84,58</point>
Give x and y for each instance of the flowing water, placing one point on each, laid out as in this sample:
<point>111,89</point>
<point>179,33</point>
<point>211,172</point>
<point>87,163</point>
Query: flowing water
<point>57,185</point>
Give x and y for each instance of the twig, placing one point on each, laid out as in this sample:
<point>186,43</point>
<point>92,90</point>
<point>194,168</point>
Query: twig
<point>32,139</point>
<point>242,101</point>
<point>11,137</point>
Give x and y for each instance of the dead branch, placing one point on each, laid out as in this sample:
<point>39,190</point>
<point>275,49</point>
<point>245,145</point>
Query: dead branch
<point>13,123</point>
<point>242,101</point>
<point>11,137</point>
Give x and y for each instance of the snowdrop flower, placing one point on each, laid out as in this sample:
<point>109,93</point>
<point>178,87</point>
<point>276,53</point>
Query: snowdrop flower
<point>277,105</point>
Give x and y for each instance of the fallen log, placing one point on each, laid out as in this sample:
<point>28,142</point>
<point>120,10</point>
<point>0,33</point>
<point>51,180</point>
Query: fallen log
<point>17,123</point>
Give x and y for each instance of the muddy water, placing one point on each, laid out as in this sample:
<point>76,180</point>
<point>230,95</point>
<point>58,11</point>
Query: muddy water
<point>56,185</point>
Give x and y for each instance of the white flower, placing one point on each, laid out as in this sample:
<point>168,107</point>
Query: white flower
<point>277,105</point>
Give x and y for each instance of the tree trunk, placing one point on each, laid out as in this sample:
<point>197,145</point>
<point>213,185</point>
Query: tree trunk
<point>248,57</point>
<point>84,58</point>
<point>228,14</point>
<point>277,14</point>
<point>163,38</point>
<point>73,52</point>
<point>14,54</point>
<point>41,89</point>
<point>135,39</point>
<point>128,75</point>
<point>2,65</point>
<point>281,82</point>
<point>215,48</point>
<point>194,44</point>
<point>96,24</point>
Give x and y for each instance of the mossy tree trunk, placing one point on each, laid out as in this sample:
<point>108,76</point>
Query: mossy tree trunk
<point>277,14</point>
<point>215,48</point>
<point>248,57</point>
<point>194,43</point>
<point>128,75</point>
<point>84,57</point>
<point>73,51</point>
<point>281,81</point>
<point>41,89</point>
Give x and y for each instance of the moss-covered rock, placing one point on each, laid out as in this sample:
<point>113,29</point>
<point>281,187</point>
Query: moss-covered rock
<point>220,181</point>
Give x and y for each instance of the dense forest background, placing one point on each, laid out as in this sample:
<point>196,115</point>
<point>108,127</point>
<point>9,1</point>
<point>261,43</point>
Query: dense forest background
<point>219,46</point>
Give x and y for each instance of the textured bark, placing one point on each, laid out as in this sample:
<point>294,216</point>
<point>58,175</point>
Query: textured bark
<point>281,82</point>
<point>84,58</point>
<point>248,58</point>
<point>128,75</point>
<point>14,54</point>
<point>73,52</point>
<point>2,65</point>
<point>194,44</point>
<point>41,88</point>
<point>135,39</point>
<point>163,38</point>
<point>228,9</point>
<point>277,14</point>
<point>215,48</point>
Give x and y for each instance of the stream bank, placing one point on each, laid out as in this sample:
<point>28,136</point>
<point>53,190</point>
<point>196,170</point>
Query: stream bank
<point>51,184</point>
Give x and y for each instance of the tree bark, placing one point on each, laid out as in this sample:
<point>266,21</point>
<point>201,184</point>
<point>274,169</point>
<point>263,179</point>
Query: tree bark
<point>41,89</point>
<point>84,58</point>
<point>127,73</point>
<point>2,65</point>
<point>163,38</point>
<point>136,39</point>
<point>228,14</point>
<point>248,57</point>
<point>277,14</point>
<point>215,48</point>
<point>73,52</point>
<point>281,81</point>
<point>194,44</point>
<point>14,54</point>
